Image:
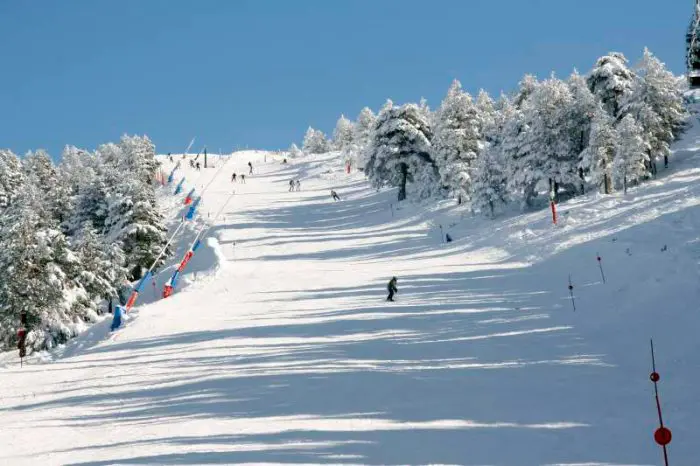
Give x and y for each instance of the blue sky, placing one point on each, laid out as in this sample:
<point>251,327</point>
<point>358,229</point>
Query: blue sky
<point>257,73</point>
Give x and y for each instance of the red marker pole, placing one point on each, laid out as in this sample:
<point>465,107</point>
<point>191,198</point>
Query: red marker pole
<point>554,212</point>
<point>662,435</point>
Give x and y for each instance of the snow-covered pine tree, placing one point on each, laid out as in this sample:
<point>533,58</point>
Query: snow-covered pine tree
<point>514,144</point>
<point>53,185</point>
<point>134,222</point>
<point>457,140</point>
<point>102,272</point>
<point>692,47</point>
<point>364,126</point>
<point>631,158</point>
<point>599,155</point>
<point>581,113</point>
<point>79,166</point>
<point>551,158</point>
<point>526,87</point>
<point>489,186</point>
<point>294,151</point>
<point>138,157</point>
<point>612,82</point>
<point>33,257</point>
<point>657,105</point>
<point>486,109</point>
<point>11,177</point>
<point>400,151</point>
<point>315,142</point>
<point>132,218</point>
<point>343,135</point>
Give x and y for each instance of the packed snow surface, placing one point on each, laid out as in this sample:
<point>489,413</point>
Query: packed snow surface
<point>278,345</point>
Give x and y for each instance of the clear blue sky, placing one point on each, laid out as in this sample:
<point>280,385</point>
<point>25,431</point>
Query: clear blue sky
<point>257,73</point>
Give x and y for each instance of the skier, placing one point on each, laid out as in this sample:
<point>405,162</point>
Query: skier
<point>243,178</point>
<point>291,185</point>
<point>233,178</point>
<point>191,163</point>
<point>448,238</point>
<point>392,289</point>
<point>335,196</point>
<point>251,168</point>
<point>298,185</point>
<point>197,166</point>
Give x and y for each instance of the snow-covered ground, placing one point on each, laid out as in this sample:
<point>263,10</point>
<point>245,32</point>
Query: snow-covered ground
<point>281,348</point>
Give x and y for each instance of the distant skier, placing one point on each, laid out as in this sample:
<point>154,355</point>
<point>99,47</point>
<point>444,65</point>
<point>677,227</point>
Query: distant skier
<point>250,165</point>
<point>291,185</point>
<point>197,166</point>
<point>243,178</point>
<point>191,163</point>
<point>335,196</point>
<point>298,185</point>
<point>392,289</point>
<point>448,238</point>
<point>233,178</point>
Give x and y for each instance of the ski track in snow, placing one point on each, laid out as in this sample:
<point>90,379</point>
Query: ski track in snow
<point>278,346</point>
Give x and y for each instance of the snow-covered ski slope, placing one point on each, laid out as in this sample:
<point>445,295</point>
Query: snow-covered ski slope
<point>281,349</point>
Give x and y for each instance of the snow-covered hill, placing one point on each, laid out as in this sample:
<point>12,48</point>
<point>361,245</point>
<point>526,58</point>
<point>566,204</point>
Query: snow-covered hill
<point>281,348</point>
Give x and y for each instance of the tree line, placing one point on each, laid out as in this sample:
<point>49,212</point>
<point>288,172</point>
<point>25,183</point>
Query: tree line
<point>73,235</point>
<point>551,138</point>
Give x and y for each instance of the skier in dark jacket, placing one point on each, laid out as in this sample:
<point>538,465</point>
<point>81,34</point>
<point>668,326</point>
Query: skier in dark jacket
<point>250,165</point>
<point>291,185</point>
<point>233,178</point>
<point>335,196</point>
<point>392,289</point>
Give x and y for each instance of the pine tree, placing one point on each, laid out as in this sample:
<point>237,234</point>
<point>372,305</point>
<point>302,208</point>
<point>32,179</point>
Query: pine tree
<point>657,104</point>
<point>489,188</point>
<point>102,272</point>
<point>581,114</point>
<point>457,140</point>
<point>31,257</point>
<point>612,82</point>
<point>486,109</point>
<point>315,142</point>
<point>138,158</point>
<point>692,48</point>
<point>343,135</point>
<point>630,164</point>
<point>364,127</point>
<point>400,151</point>
<point>294,151</point>
<point>599,154</point>
<point>11,178</point>
<point>134,222</point>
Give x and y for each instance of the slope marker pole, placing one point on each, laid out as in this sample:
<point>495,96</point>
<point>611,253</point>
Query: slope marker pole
<point>662,435</point>
<point>571,293</point>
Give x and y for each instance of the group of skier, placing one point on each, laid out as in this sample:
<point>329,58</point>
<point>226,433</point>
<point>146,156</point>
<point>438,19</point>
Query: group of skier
<point>294,185</point>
